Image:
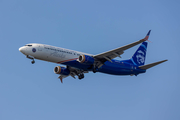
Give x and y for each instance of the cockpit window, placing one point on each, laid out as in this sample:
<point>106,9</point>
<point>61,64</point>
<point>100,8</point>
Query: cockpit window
<point>28,45</point>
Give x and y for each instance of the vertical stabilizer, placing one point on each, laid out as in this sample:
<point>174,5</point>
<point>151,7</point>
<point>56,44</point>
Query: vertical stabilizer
<point>139,56</point>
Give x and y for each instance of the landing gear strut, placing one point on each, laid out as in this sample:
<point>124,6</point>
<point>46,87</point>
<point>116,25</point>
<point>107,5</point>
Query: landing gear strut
<point>96,66</point>
<point>32,58</point>
<point>94,71</point>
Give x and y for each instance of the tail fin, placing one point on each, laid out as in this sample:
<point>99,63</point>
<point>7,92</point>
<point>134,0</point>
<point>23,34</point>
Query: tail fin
<point>139,56</point>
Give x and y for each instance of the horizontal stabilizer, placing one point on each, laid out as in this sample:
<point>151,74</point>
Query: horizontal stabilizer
<point>144,67</point>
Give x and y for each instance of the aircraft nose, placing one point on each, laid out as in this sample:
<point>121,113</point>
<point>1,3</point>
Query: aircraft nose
<point>22,49</point>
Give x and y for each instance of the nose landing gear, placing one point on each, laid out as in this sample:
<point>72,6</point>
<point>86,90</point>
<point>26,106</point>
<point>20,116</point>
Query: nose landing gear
<point>33,61</point>
<point>32,58</point>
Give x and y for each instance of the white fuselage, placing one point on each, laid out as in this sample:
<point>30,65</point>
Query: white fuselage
<point>50,53</point>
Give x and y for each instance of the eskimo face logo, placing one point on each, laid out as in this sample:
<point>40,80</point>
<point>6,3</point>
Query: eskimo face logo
<point>140,57</point>
<point>34,50</point>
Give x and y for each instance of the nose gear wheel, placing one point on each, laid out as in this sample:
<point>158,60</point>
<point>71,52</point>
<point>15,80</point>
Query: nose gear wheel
<point>32,58</point>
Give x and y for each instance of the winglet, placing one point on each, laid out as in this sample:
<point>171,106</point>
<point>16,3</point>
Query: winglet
<point>147,36</point>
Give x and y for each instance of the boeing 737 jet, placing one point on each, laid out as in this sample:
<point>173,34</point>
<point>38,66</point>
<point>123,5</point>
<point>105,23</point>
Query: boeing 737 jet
<point>78,63</point>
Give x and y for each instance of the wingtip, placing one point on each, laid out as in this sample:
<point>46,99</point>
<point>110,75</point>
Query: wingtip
<point>165,60</point>
<point>147,36</point>
<point>148,33</point>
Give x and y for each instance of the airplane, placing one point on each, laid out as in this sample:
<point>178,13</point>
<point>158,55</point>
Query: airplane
<point>78,63</point>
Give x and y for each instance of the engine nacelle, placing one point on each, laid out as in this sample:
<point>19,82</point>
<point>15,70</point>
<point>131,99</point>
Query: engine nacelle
<point>85,59</point>
<point>61,70</point>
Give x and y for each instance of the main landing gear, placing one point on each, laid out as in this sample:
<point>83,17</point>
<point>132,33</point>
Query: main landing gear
<point>81,76</point>
<point>76,72</point>
<point>32,58</point>
<point>96,66</point>
<point>94,70</point>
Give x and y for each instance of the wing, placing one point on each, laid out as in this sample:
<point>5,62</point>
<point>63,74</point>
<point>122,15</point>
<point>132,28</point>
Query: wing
<point>107,56</point>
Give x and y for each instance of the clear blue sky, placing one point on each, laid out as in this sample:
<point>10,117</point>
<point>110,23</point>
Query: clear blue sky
<point>33,92</point>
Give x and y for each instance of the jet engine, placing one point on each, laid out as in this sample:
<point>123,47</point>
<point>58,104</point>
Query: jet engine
<point>85,59</point>
<point>61,70</point>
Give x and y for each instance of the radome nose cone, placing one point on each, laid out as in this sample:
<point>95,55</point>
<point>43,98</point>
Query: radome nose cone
<point>21,49</point>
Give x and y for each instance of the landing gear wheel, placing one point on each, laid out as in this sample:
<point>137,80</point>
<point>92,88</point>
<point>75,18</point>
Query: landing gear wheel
<point>94,71</point>
<point>32,62</point>
<point>81,76</point>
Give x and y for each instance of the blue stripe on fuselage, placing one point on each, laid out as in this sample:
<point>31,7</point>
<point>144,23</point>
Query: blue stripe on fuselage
<point>76,64</point>
<point>115,68</point>
<point>120,68</point>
